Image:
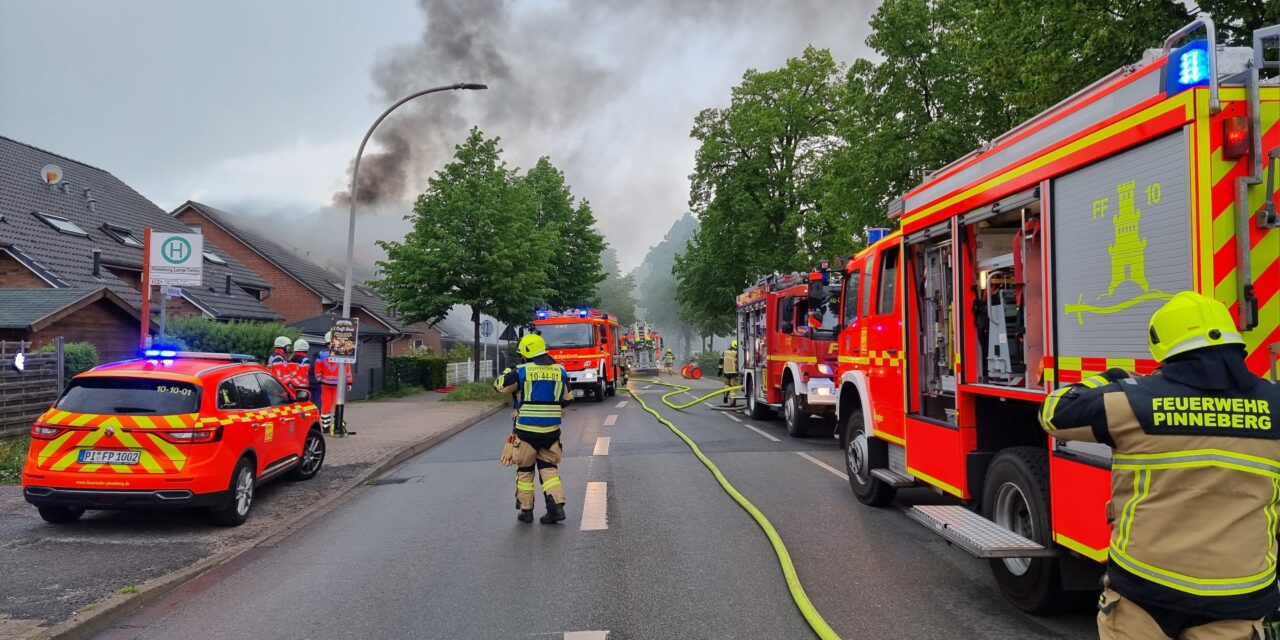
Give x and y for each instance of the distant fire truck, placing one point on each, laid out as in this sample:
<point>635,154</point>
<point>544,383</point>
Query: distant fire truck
<point>644,348</point>
<point>587,342</point>
<point>1036,262</point>
<point>787,346</point>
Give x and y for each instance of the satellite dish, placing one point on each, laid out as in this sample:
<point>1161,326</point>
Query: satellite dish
<point>51,174</point>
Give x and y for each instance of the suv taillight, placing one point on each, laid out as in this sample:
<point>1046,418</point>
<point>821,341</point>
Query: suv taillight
<point>45,432</point>
<point>191,435</point>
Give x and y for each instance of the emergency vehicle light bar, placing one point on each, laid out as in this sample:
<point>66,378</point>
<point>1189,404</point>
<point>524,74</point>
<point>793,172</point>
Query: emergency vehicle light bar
<point>198,355</point>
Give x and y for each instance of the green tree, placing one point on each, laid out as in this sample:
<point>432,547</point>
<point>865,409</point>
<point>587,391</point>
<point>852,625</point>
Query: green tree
<point>575,269</point>
<point>656,284</point>
<point>616,291</point>
<point>473,242</point>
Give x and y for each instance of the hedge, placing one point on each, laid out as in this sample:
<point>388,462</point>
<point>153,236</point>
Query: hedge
<point>708,361</point>
<point>197,333</point>
<point>425,371</point>
<point>77,357</point>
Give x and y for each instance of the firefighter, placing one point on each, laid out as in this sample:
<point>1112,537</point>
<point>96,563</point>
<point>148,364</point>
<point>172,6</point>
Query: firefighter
<point>300,364</point>
<point>1194,490</point>
<point>278,362</point>
<point>542,389</point>
<point>729,367</point>
<point>327,374</point>
<point>669,361</point>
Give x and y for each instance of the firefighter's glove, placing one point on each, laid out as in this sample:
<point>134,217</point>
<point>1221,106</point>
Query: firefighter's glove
<point>1115,374</point>
<point>508,451</point>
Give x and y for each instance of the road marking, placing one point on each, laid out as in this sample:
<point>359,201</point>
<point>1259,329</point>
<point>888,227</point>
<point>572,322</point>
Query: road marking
<point>621,404</point>
<point>646,387</point>
<point>611,420</point>
<point>824,465</point>
<point>602,446</point>
<point>594,507</point>
<point>586,635</point>
<point>733,417</point>
<point>761,432</point>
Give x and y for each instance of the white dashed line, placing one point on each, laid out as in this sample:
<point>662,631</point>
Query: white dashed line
<point>621,404</point>
<point>611,420</point>
<point>595,507</point>
<point>824,465</point>
<point>733,417</point>
<point>761,432</point>
<point>602,446</point>
<point>646,387</point>
<point>586,635</point>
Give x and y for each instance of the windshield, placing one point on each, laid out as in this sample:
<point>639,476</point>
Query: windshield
<point>561,336</point>
<point>130,396</point>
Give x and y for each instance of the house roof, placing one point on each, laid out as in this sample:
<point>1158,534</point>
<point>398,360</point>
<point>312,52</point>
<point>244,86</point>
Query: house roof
<point>318,325</point>
<point>318,279</point>
<point>93,200</point>
<point>456,325</point>
<point>33,309</point>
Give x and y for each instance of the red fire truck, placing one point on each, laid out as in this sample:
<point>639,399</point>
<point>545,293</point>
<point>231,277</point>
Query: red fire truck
<point>586,342</point>
<point>786,347</point>
<point>1036,262</point>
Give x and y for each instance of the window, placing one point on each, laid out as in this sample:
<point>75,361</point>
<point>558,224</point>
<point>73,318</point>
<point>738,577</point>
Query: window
<point>63,225</point>
<point>851,297</point>
<point>227,398</point>
<point>866,291</point>
<point>250,394</point>
<point>214,258</point>
<point>888,280</point>
<point>566,335</point>
<point>277,395</point>
<point>122,235</point>
<point>337,285</point>
<point>130,397</point>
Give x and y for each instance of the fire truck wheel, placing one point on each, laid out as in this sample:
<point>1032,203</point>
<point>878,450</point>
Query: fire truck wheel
<point>755,410</point>
<point>797,420</point>
<point>858,450</point>
<point>598,392</point>
<point>611,390</point>
<point>1016,497</point>
<point>235,508</point>
<point>60,514</point>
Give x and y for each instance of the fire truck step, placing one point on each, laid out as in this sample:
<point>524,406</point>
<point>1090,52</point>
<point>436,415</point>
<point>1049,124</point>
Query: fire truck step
<point>893,478</point>
<point>974,533</point>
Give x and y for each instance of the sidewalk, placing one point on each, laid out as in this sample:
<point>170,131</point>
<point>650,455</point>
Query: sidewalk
<point>74,579</point>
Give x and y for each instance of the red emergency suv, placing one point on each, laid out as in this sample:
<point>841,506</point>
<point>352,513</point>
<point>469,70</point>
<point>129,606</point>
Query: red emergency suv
<point>171,429</point>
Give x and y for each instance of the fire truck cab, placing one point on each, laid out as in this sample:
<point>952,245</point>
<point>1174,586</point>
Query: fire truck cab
<point>587,342</point>
<point>786,347</point>
<point>1036,262</point>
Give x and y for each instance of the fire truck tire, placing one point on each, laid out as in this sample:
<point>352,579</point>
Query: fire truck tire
<point>234,509</point>
<point>755,410</point>
<point>1016,496</point>
<point>858,457</point>
<point>793,413</point>
<point>599,391</point>
<point>60,514</point>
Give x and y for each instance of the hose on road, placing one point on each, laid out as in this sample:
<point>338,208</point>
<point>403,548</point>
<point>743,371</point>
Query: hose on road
<point>810,613</point>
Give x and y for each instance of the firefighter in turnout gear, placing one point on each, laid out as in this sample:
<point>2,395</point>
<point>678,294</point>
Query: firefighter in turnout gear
<point>298,365</point>
<point>542,388</point>
<point>278,363</point>
<point>729,367</point>
<point>1194,480</point>
<point>669,361</point>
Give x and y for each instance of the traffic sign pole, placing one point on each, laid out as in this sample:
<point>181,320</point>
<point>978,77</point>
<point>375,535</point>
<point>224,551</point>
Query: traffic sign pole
<point>146,287</point>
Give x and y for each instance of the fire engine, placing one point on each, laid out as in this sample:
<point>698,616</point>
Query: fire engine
<point>787,347</point>
<point>586,342</point>
<point>1036,262</point>
<point>644,347</point>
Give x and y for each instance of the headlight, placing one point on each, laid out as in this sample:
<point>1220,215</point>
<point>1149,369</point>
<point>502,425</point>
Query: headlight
<point>826,369</point>
<point>822,391</point>
<point>589,373</point>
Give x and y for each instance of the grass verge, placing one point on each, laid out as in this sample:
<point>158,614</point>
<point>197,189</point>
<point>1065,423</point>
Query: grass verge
<point>13,453</point>
<point>473,391</point>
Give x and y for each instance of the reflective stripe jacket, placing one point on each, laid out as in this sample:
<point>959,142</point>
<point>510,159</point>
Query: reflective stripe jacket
<point>327,369</point>
<point>298,366</point>
<point>279,366</point>
<point>1195,486</point>
<point>542,384</point>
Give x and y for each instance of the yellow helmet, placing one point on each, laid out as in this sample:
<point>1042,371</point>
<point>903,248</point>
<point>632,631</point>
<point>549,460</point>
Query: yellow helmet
<point>1190,321</point>
<point>532,345</point>
<point>734,344</point>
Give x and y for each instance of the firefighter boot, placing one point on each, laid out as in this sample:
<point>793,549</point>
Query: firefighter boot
<point>555,511</point>
<point>526,515</point>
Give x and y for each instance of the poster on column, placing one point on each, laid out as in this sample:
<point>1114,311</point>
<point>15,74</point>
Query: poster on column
<point>342,348</point>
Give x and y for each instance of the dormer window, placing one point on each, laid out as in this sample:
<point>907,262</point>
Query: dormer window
<point>337,285</point>
<point>214,258</point>
<point>122,235</point>
<point>62,225</point>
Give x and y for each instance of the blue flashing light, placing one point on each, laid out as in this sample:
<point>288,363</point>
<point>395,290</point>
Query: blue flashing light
<point>1186,67</point>
<point>582,313</point>
<point>160,353</point>
<point>542,314</point>
<point>876,234</point>
<point>151,353</point>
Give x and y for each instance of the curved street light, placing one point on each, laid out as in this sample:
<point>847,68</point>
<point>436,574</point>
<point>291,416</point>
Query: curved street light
<point>351,232</point>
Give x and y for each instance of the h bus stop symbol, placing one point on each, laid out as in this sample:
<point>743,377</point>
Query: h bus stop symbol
<point>175,250</point>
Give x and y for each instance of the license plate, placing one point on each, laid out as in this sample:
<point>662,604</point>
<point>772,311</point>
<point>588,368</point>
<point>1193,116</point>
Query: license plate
<point>99,456</point>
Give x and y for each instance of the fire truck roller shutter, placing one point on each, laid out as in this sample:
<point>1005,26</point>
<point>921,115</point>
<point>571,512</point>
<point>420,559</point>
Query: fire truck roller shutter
<point>1122,247</point>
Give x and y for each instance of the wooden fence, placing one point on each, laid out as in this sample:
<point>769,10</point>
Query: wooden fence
<point>26,394</point>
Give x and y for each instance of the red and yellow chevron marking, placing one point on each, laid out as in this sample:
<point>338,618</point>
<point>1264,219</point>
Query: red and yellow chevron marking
<point>1073,369</point>
<point>874,358</point>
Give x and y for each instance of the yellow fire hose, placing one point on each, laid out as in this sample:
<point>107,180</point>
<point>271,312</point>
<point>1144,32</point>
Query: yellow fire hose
<point>811,615</point>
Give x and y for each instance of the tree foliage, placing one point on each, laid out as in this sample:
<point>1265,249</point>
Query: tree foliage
<point>616,292</point>
<point>574,270</point>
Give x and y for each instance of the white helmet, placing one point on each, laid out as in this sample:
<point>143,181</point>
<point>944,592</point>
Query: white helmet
<point>301,345</point>
<point>283,342</point>
<point>328,337</point>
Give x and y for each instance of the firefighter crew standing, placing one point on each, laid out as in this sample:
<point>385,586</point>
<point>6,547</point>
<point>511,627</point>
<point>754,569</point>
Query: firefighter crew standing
<point>300,363</point>
<point>278,363</point>
<point>729,367</point>
<point>327,375</point>
<point>1195,480</point>
<point>542,388</point>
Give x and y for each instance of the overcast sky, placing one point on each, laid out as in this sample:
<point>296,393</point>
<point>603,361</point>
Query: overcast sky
<point>257,106</point>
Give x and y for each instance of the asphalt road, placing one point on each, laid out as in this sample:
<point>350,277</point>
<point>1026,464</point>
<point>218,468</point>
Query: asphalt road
<point>435,551</point>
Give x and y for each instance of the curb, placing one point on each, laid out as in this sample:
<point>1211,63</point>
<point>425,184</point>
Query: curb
<point>117,606</point>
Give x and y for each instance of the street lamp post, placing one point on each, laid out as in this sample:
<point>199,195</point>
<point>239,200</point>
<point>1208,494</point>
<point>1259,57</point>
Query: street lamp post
<point>339,425</point>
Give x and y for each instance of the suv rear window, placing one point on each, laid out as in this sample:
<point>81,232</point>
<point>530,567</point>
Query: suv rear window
<point>130,396</point>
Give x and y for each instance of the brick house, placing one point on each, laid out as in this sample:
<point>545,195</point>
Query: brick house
<point>84,232</point>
